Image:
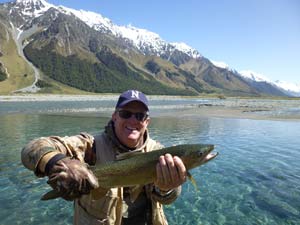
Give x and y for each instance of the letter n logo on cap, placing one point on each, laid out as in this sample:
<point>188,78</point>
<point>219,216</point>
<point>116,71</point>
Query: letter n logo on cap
<point>135,94</point>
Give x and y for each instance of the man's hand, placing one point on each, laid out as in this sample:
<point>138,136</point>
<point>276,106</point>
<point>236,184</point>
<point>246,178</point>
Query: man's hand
<point>72,178</point>
<point>170,172</point>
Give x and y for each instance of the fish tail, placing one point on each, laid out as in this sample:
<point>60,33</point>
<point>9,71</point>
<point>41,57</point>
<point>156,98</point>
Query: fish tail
<point>51,195</point>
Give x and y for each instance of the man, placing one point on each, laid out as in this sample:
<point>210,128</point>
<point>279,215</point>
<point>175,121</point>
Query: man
<point>63,160</point>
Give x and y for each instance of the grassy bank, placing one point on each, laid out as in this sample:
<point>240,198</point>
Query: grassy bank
<point>20,73</point>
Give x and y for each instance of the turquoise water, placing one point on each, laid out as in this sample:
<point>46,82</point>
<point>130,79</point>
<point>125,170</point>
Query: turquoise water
<point>254,180</point>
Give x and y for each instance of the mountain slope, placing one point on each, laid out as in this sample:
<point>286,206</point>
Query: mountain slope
<point>17,72</point>
<point>87,51</point>
<point>72,53</point>
<point>262,83</point>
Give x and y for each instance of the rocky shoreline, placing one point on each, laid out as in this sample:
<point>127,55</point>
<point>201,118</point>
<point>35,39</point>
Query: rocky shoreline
<point>207,107</point>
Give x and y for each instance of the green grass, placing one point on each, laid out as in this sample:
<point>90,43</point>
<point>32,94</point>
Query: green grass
<point>20,73</point>
<point>59,88</point>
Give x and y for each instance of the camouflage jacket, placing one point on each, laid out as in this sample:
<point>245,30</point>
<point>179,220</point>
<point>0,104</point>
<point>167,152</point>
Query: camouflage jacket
<point>106,210</point>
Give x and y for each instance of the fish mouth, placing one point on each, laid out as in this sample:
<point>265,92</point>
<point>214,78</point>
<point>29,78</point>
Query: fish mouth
<point>211,156</point>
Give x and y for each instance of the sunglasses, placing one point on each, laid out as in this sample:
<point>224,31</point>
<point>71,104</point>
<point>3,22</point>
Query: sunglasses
<point>140,116</point>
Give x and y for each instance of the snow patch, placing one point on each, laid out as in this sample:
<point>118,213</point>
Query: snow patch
<point>221,65</point>
<point>186,49</point>
<point>254,76</point>
<point>140,38</point>
<point>288,86</point>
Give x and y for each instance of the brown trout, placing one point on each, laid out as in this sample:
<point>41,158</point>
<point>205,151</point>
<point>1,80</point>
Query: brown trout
<point>140,168</point>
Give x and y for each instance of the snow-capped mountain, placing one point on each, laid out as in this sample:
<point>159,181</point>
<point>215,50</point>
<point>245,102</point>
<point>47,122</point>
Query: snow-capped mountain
<point>146,41</point>
<point>223,65</point>
<point>186,49</point>
<point>248,74</point>
<point>32,8</point>
<point>24,11</point>
<point>288,88</point>
<point>37,26</point>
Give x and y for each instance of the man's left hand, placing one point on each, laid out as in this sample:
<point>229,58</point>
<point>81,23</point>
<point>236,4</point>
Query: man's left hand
<point>170,172</point>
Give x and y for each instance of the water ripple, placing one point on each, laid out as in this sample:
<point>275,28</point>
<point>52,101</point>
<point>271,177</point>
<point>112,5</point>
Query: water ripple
<point>254,180</point>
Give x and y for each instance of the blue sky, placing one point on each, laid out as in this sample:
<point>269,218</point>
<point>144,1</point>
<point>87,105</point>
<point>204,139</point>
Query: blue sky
<point>258,35</point>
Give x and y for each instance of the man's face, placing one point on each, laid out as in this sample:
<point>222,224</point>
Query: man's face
<point>130,131</point>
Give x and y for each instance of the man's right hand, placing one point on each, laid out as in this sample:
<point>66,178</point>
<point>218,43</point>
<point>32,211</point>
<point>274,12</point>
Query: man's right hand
<point>71,178</point>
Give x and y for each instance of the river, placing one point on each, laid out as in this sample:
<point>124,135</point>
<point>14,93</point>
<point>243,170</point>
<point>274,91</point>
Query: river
<point>254,180</point>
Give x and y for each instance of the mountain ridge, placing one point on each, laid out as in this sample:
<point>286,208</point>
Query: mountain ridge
<point>142,52</point>
<point>289,88</point>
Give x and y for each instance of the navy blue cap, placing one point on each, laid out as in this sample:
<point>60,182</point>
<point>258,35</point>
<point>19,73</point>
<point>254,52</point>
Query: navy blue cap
<point>130,96</point>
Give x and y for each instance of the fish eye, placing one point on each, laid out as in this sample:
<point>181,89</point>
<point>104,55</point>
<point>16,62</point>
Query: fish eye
<point>200,154</point>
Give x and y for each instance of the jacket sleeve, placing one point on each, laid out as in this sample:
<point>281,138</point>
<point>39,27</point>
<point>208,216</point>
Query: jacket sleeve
<point>37,153</point>
<point>167,198</point>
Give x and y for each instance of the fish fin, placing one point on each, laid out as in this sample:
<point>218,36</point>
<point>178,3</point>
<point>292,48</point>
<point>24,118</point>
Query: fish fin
<point>127,155</point>
<point>193,181</point>
<point>98,193</point>
<point>51,195</point>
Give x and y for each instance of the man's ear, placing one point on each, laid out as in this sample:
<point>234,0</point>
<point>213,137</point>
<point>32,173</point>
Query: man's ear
<point>148,121</point>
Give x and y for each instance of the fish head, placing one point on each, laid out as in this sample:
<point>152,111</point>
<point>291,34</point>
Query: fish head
<point>198,154</point>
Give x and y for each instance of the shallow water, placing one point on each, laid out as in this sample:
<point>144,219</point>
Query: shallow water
<point>254,180</point>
